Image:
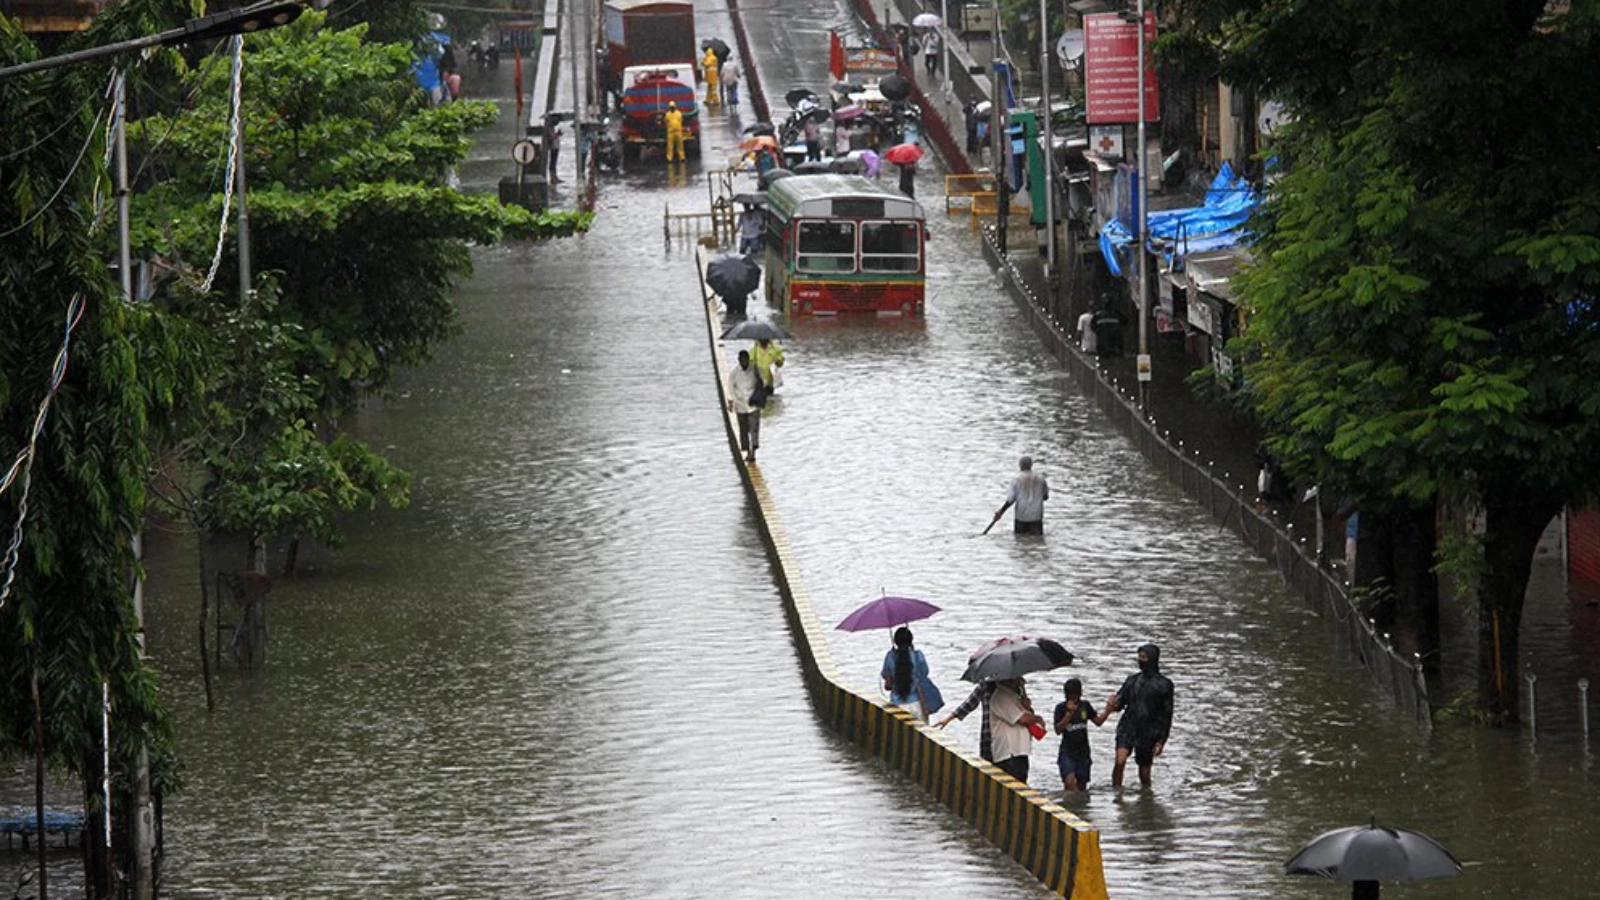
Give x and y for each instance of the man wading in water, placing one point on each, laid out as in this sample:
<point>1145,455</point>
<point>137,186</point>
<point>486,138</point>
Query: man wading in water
<point>1145,701</point>
<point>1028,493</point>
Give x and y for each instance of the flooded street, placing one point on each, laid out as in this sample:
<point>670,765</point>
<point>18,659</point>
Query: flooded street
<point>564,670</point>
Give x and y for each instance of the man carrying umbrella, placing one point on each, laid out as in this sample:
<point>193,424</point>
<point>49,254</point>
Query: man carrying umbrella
<point>1004,738</point>
<point>1145,701</point>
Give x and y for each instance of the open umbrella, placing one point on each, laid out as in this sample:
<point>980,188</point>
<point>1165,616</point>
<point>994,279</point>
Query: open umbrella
<point>733,276</point>
<point>769,176</point>
<point>761,128</point>
<point>983,108</point>
<point>848,112</point>
<point>757,141</point>
<point>1364,855</point>
<point>719,47</point>
<point>927,20</point>
<point>795,95</point>
<point>903,154</point>
<point>887,612</point>
<point>750,199</point>
<point>755,330</point>
<point>894,87</point>
<point>1013,657</point>
<point>814,167</point>
<point>848,87</point>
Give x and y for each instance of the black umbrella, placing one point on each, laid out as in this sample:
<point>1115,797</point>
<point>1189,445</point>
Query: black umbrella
<point>733,276</point>
<point>719,47</point>
<point>796,95</point>
<point>1013,657</point>
<point>765,179</point>
<point>813,167</point>
<point>761,128</point>
<point>751,199</point>
<point>849,87</point>
<point>894,87</point>
<point>847,165</point>
<point>1364,855</point>
<point>755,330</point>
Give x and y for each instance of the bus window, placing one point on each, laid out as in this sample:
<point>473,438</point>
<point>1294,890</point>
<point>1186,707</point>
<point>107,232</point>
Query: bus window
<point>889,246</point>
<point>827,247</point>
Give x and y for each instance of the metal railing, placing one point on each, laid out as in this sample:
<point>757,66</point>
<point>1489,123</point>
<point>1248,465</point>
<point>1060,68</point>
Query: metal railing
<point>1232,508</point>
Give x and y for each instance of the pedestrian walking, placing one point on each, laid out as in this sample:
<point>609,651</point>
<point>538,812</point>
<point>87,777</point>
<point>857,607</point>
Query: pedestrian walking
<point>1004,738</point>
<point>555,152</point>
<point>813,135</point>
<point>746,397</point>
<point>751,225</point>
<point>1029,490</point>
<point>908,179</point>
<point>1073,715</point>
<point>731,73</point>
<point>767,356</point>
<point>930,51</point>
<point>710,68</point>
<point>905,677</point>
<point>1145,702</point>
<point>674,123</point>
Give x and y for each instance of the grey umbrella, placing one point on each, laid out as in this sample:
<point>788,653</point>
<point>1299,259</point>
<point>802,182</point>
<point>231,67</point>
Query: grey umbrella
<point>733,276</point>
<point>765,179</point>
<point>1014,657</point>
<point>719,47</point>
<point>755,330</point>
<point>1365,855</point>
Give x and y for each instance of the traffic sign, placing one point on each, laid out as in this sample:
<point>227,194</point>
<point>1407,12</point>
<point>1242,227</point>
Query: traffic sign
<point>524,152</point>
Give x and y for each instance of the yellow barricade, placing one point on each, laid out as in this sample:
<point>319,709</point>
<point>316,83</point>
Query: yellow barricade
<point>962,191</point>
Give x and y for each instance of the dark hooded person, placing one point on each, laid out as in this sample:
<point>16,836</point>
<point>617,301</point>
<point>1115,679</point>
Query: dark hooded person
<point>1145,702</point>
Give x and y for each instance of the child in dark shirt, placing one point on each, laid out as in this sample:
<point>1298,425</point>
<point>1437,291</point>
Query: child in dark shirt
<point>1073,716</point>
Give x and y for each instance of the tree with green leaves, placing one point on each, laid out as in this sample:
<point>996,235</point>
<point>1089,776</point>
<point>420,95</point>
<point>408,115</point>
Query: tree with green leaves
<point>363,240</point>
<point>1423,308</point>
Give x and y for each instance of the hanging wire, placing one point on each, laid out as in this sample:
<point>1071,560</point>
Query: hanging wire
<point>82,151</point>
<point>23,465</point>
<point>235,139</point>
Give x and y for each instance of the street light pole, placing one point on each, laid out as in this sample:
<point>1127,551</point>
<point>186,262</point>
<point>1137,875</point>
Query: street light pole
<point>1000,163</point>
<point>1144,228</point>
<point>1051,276</point>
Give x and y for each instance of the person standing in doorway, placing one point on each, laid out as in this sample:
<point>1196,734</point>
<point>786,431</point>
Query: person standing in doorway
<point>1029,491</point>
<point>745,403</point>
<point>1145,701</point>
<point>674,123</point>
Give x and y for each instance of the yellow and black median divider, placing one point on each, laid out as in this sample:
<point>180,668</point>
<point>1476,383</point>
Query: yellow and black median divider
<point>1052,843</point>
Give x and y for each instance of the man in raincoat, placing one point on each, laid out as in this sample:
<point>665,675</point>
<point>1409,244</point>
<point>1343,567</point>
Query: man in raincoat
<point>766,354</point>
<point>674,122</point>
<point>713,74</point>
<point>1145,701</point>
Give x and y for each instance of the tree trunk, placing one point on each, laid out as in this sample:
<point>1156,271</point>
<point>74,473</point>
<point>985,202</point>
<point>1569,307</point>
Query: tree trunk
<point>205,624</point>
<point>1511,534</point>
<point>99,868</point>
<point>1402,544</point>
<point>38,785</point>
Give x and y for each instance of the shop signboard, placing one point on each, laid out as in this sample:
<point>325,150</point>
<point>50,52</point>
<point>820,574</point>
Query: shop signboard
<point>1111,70</point>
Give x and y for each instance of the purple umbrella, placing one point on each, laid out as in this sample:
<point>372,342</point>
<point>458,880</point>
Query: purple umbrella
<point>887,612</point>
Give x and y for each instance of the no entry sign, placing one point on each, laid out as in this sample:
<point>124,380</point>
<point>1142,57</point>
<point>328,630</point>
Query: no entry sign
<point>1111,69</point>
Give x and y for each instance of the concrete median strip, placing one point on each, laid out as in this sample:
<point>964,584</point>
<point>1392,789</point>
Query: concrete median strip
<point>1062,850</point>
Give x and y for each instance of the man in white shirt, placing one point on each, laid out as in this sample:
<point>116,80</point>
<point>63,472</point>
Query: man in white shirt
<point>742,382</point>
<point>1028,493</point>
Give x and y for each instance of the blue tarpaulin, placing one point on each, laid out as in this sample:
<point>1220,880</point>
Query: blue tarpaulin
<point>1216,224</point>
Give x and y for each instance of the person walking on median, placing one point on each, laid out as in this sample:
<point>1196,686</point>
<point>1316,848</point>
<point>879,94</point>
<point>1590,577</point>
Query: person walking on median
<point>905,671</point>
<point>1004,738</point>
<point>731,73</point>
<point>1145,701</point>
<point>930,51</point>
<point>711,68</point>
<point>745,403</point>
<point>1029,491</point>
<point>674,123</point>
<point>767,355</point>
<point>1073,716</point>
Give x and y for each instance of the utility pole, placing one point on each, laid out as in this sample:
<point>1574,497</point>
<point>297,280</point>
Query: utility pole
<point>1143,365</point>
<point>1052,277</point>
<point>571,15</point>
<point>997,137</point>
<point>246,280</point>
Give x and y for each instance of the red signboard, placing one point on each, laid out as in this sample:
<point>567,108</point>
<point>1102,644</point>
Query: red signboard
<point>1111,69</point>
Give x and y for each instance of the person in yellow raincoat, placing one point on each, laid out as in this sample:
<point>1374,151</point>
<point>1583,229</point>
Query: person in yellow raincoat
<point>767,356</point>
<point>712,67</point>
<point>674,122</point>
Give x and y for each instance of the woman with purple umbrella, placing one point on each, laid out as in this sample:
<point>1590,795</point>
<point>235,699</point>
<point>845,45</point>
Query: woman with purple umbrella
<point>905,670</point>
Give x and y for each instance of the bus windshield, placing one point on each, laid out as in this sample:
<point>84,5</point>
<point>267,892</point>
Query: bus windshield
<point>826,247</point>
<point>889,246</point>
